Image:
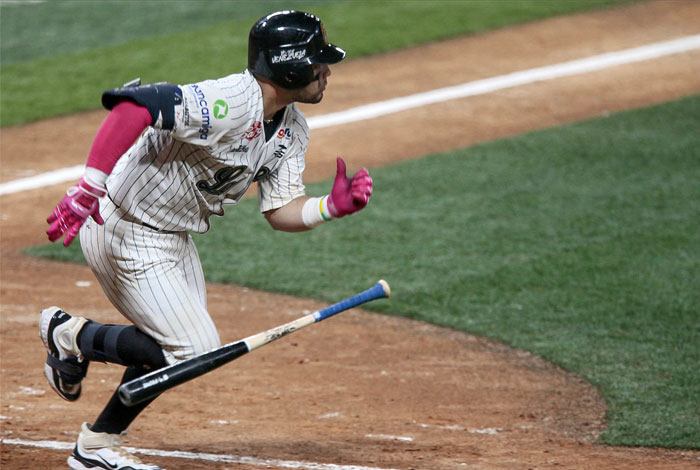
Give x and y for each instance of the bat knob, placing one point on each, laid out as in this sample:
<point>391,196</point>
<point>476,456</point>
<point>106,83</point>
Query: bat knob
<point>385,287</point>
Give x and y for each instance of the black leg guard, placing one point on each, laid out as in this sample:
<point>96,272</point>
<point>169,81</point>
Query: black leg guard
<point>119,344</point>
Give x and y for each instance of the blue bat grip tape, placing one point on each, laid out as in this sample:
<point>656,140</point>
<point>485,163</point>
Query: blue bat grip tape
<point>375,292</point>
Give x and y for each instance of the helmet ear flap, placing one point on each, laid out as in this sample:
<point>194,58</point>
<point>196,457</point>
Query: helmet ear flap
<point>297,75</point>
<point>292,78</point>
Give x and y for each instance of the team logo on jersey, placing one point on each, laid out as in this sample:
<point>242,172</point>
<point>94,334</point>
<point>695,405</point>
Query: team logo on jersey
<point>286,56</point>
<point>284,132</point>
<point>220,109</point>
<point>262,173</point>
<point>253,131</point>
<point>224,179</point>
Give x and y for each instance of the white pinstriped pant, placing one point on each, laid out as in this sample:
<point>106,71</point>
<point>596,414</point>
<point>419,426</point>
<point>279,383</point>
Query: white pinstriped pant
<point>154,279</point>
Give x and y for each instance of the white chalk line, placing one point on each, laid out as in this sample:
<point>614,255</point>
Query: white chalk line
<point>20,2</point>
<point>44,179</point>
<point>478,87</point>
<point>201,456</point>
<point>390,437</point>
<point>524,77</point>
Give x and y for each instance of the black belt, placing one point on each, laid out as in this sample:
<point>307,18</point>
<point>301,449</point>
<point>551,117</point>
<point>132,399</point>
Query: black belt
<point>140,222</point>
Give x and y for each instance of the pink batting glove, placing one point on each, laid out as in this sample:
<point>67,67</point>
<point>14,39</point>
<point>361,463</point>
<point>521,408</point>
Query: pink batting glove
<point>79,203</point>
<point>349,194</point>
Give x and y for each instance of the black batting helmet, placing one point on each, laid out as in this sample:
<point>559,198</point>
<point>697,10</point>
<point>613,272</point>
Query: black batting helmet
<point>283,46</point>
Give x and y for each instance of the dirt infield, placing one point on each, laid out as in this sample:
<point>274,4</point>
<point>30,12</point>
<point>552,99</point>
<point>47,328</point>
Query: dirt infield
<point>359,391</point>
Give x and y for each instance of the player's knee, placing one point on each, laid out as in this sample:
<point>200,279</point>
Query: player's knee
<point>140,350</point>
<point>186,349</point>
<point>204,346</point>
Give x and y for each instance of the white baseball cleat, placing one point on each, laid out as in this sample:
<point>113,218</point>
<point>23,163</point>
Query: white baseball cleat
<point>65,367</point>
<point>99,450</point>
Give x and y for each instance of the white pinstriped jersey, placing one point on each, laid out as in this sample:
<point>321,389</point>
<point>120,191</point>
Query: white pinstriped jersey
<point>175,180</point>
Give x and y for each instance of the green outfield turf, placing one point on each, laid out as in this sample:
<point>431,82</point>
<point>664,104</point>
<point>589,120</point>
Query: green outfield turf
<point>58,57</point>
<point>579,244</point>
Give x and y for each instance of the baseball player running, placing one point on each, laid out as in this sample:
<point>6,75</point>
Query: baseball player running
<point>167,158</point>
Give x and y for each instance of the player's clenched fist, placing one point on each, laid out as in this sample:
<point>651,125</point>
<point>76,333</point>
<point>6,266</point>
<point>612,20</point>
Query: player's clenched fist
<point>79,203</point>
<point>349,194</point>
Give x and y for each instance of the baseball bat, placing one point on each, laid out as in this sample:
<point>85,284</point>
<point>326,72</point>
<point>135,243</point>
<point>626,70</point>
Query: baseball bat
<point>154,383</point>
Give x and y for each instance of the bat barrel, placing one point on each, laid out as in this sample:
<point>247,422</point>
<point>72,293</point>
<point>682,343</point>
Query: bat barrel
<point>153,384</point>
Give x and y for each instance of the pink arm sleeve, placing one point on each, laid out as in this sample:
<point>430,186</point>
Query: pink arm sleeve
<point>120,129</point>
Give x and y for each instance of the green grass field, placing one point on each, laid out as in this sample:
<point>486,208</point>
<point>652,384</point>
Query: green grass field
<point>579,244</point>
<point>58,57</point>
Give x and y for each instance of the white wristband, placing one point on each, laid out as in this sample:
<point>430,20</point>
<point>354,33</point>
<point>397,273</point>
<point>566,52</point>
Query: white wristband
<point>95,177</point>
<point>315,211</point>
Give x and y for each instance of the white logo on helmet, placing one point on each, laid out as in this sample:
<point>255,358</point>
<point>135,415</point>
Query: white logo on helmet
<point>286,56</point>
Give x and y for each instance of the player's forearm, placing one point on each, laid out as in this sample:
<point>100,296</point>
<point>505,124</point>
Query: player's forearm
<point>289,218</point>
<point>120,129</point>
